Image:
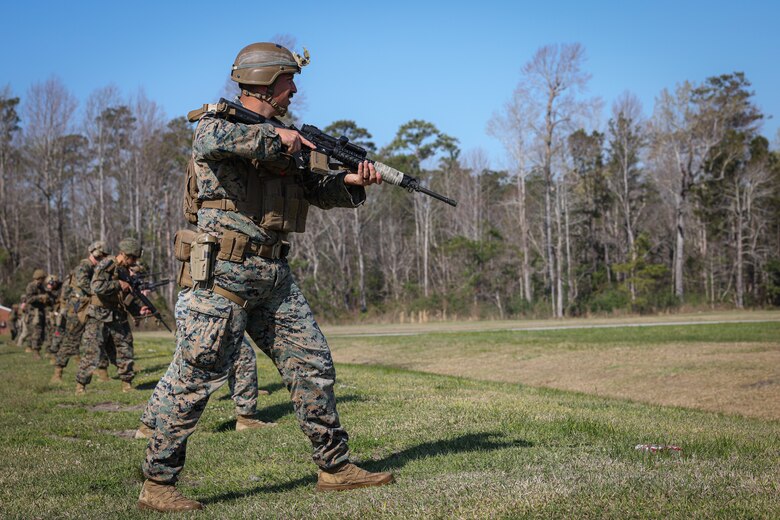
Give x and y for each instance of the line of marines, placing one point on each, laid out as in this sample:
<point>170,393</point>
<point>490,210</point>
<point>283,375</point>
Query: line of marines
<point>86,317</point>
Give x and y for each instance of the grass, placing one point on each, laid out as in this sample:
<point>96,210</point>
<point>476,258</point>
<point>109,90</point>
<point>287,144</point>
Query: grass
<point>459,447</point>
<point>726,367</point>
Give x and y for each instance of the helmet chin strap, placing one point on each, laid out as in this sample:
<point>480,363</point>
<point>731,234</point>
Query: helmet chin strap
<point>267,97</point>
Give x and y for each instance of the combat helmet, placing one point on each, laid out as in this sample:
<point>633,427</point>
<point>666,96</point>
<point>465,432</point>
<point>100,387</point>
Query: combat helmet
<point>261,64</point>
<point>39,274</point>
<point>131,246</point>
<point>98,248</point>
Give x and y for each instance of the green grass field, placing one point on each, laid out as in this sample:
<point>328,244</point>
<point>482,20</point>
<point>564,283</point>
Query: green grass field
<point>460,447</point>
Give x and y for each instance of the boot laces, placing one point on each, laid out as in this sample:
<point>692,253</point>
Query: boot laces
<point>172,494</point>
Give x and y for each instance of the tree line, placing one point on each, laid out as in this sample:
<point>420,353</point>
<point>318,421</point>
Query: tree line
<point>642,214</point>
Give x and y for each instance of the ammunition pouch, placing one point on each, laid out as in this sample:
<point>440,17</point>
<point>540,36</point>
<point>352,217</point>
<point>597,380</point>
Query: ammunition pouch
<point>273,202</point>
<point>183,277</point>
<point>182,241</point>
<point>233,246</point>
<point>284,206</point>
<point>81,314</point>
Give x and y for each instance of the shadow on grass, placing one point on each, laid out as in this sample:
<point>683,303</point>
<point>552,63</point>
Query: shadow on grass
<point>149,385</point>
<point>484,441</point>
<point>277,411</point>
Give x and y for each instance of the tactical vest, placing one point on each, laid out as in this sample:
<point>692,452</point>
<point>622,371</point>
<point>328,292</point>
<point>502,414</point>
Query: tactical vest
<point>113,300</point>
<point>274,198</point>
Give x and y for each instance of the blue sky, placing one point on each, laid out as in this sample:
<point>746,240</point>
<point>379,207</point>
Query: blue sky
<point>383,63</point>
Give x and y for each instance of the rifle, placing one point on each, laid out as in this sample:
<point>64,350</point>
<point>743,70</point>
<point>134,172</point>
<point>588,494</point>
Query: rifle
<point>338,148</point>
<point>136,288</point>
<point>152,286</point>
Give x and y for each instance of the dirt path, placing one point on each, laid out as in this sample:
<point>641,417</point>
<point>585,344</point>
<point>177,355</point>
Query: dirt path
<point>401,329</point>
<point>731,377</point>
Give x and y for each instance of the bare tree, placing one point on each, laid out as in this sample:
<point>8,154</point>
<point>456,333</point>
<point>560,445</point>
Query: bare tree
<point>10,186</point>
<point>49,110</point>
<point>627,138</point>
<point>97,132</point>
<point>513,130</point>
<point>690,126</point>
<point>548,93</point>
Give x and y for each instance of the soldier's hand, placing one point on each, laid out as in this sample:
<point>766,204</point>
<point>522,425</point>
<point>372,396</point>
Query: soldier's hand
<point>125,286</point>
<point>293,141</point>
<point>366,174</point>
<point>145,311</point>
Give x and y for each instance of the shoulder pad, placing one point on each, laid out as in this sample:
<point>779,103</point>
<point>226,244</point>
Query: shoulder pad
<point>208,109</point>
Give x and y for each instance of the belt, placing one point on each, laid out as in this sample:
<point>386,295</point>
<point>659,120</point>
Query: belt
<point>236,246</point>
<point>276,251</point>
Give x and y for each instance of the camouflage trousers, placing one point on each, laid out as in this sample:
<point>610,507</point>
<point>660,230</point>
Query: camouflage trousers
<point>21,338</point>
<point>71,342</point>
<point>55,332</point>
<point>36,329</point>
<point>278,318</point>
<point>106,338</point>
<point>242,379</point>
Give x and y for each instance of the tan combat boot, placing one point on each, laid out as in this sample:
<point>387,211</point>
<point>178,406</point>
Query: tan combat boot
<point>57,377</point>
<point>349,476</point>
<point>28,349</point>
<point>81,389</point>
<point>36,354</point>
<point>77,360</point>
<point>127,386</point>
<point>165,498</point>
<point>52,359</point>
<point>248,422</point>
<point>102,374</point>
<point>143,432</point>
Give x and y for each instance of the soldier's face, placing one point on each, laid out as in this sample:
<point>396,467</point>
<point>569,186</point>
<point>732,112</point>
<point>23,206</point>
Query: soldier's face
<point>127,260</point>
<point>284,90</point>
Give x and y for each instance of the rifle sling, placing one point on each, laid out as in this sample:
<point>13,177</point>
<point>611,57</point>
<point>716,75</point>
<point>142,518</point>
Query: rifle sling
<point>233,297</point>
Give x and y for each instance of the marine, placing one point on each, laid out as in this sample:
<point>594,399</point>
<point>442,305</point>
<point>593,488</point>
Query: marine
<point>77,295</point>
<point>107,322</point>
<point>54,317</point>
<point>37,299</point>
<point>248,194</point>
<point>15,321</point>
<point>23,334</point>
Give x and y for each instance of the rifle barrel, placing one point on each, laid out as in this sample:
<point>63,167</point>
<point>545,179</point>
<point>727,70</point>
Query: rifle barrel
<point>437,196</point>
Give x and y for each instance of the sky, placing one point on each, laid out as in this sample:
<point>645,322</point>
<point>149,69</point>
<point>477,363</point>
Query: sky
<point>381,64</point>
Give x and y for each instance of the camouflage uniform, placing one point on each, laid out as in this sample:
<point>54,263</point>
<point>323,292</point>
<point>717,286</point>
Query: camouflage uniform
<point>78,296</point>
<point>15,321</point>
<point>24,333</point>
<point>106,326</point>
<point>276,315</point>
<point>35,313</point>
<point>54,319</point>
<point>242,378</point>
